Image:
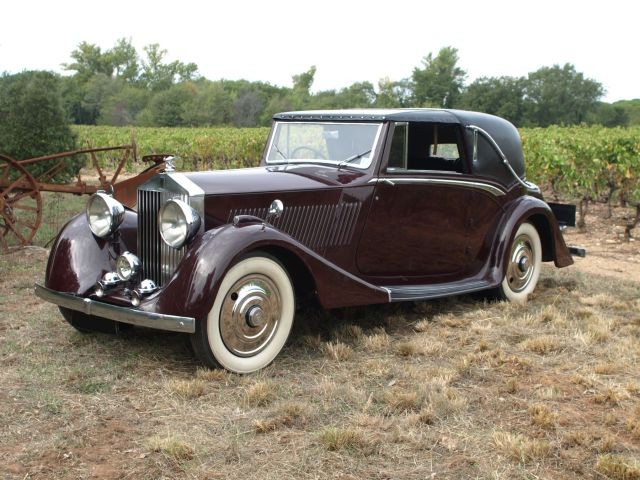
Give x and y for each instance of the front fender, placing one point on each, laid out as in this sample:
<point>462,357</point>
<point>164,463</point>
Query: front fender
<point>78,258</point>
<point>536,211</point>
<point>194,286</point>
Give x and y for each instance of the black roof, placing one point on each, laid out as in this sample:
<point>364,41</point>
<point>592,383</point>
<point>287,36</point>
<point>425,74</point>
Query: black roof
<point>501,130</point>
<point>435,115</point>
<point>373,114</point>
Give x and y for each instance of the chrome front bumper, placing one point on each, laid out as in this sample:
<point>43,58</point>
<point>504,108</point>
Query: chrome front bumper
<point>141,318</point>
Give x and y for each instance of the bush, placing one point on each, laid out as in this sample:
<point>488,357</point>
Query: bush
<point>33,122</point>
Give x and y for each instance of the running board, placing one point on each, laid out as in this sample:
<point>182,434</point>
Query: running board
<point>401,293</point>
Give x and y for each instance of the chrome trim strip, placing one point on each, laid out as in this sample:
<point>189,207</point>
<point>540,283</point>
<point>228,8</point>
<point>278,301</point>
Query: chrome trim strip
<point>388,293</point>
<point>181,179</point>
<point>505,161</point>
<point>498,192</point>
<point>141,318</point>
<point>424,292</point>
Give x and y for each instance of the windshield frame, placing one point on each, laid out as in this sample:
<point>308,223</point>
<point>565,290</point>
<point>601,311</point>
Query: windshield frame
<point>337,163</point>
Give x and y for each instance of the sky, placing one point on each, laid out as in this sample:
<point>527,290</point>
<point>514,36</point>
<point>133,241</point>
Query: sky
<point>347,40</point>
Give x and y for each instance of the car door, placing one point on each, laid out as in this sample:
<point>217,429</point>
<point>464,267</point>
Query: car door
<point>418,222</point>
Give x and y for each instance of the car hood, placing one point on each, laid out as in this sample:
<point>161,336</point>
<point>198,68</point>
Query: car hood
<point>273,179</point>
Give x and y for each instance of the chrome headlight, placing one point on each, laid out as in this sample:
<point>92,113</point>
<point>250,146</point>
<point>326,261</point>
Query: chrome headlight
<point>104,214</point>
<point>178,223</point>
<point>128,266</point>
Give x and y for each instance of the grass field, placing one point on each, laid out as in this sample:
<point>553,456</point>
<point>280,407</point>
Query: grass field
<point>457,388</point>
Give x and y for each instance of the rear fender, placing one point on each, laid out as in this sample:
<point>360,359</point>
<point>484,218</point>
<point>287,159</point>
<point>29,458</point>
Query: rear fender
<point>537,212</point>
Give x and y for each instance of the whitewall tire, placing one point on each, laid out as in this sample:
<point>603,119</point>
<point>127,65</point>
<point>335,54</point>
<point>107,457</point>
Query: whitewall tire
<point>523,265</point>
<point>251,317</point>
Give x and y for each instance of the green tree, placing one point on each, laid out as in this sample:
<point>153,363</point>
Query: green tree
<point>166,108</point>
<point>282,102</point>
<point>393,94</point>
<point>122,107</point>
<point>631,108</point>
<point>211,104</point>
<point>357,95</point>
<point>157,75</point>
<point>440,81</point>
<point>502,96</point>
<point>608,115</point>
<point>124,61</point>
<point>247,108</point>
<point>97,91</point>
<point>302,83</point>
<point>559,95</point>
<point>33,121</point>
<point>89,61</point>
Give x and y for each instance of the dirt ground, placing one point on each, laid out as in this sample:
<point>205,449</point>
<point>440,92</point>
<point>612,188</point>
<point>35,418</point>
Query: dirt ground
<point>607,251</point>
<point>456,388</point>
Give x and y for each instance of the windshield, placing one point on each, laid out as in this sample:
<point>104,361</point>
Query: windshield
<point>338,143</point>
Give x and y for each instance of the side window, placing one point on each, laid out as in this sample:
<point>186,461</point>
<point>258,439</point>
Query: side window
<point>398,152</point>
<point>434,146</point>
<point>426,147</point>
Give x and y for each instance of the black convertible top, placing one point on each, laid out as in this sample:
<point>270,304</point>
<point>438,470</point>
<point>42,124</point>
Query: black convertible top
<point>502,131</point>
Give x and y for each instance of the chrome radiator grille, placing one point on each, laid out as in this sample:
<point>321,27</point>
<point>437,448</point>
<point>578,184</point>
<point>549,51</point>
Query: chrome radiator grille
<point>159,260</point>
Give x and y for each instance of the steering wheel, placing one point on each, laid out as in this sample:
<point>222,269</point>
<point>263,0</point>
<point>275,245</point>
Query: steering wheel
<point>316,153</point>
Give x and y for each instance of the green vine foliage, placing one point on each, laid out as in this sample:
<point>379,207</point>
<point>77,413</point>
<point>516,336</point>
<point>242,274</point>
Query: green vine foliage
<point>586,162</point>
<point>571,162</point>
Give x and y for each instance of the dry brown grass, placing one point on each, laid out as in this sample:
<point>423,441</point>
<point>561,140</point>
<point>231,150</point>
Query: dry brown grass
<point>287,415</point>
<point>347,438</point>
<point>542,344</point>
<point>409,348</point>
<point>337,351</point>
<point>260,394</point>
<point>616,467</point>
<point>400,401</point>
<point>378,341</point>
<point>520,448</point>
<point>542,416</point>
<point>187,389</point>
<point>172,446</point>
<point>457,387</point>
<point>633,425</point>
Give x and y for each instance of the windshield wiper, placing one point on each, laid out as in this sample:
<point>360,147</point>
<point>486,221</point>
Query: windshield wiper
<point>278,150</point>
<point>353,157</point>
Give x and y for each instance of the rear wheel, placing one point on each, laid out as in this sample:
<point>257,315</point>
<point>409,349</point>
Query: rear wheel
<point>251,317</point>
<point>523,266</point>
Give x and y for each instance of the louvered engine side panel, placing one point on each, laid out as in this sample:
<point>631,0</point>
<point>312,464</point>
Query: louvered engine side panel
<point>316,226</point>
<point>159,260</point>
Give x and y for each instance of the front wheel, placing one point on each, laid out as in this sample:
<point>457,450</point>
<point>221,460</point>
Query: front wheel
<point>251,317</point>
<point>523,267</point>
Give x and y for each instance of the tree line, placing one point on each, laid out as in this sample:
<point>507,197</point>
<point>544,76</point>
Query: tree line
<point>118,86</point>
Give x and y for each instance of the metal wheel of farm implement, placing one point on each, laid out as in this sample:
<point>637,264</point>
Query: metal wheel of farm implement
<point>20,205</point>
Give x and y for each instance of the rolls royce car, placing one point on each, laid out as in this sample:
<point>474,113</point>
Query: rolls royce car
<point>351,207</point>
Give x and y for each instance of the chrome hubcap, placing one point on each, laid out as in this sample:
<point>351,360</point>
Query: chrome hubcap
<point>250,315</point>
<point>255,316</point>
<point>521,266</point>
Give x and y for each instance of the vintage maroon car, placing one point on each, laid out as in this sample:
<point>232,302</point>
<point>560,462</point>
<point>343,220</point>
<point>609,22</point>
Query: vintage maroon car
<point>351,207</point>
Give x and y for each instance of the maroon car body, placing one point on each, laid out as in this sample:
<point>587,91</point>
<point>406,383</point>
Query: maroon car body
<point>355,207</point>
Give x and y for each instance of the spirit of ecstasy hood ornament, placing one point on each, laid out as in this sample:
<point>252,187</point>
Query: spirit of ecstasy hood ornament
<point>169,166</point>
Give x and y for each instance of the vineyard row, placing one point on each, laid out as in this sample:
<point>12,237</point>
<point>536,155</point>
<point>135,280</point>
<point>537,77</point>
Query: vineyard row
<point>588,163</point>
